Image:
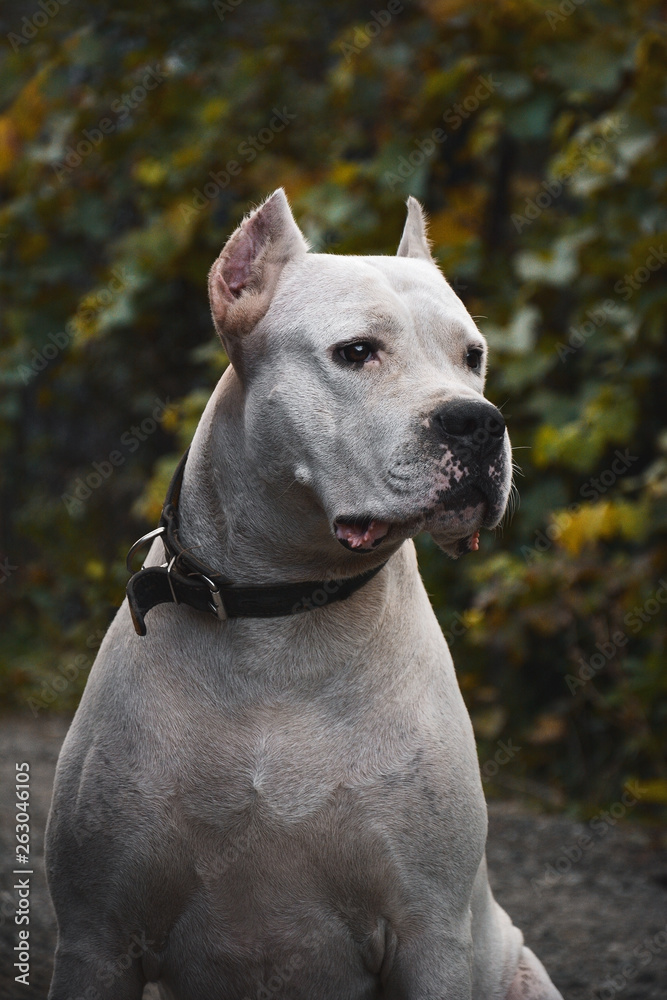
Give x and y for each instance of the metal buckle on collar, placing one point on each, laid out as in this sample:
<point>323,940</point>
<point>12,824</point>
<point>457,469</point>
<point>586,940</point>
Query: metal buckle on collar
<point>215,604</point>
<point>140,542</point>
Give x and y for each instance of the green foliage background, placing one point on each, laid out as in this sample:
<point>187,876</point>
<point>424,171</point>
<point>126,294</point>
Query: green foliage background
<point>547,201</point>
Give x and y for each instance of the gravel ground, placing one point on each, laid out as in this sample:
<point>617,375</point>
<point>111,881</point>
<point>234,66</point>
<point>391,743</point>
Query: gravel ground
<point>594,910</point>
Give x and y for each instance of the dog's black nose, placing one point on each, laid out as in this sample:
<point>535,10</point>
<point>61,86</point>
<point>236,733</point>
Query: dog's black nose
<point>473,424</point>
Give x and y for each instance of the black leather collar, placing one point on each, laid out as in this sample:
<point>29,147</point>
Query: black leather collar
<point>184,579</point>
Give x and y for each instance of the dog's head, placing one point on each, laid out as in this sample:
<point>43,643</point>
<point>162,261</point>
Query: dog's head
<point>363,381</point>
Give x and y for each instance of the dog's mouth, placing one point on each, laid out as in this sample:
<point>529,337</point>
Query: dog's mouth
<point>454,523</point>
<point>361,534</point>
<point>365,534</point>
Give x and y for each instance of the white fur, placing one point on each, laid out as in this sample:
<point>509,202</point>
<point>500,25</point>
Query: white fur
<point>292,807</point>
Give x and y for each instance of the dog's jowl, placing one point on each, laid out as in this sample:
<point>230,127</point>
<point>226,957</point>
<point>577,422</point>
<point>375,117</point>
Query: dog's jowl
<point>271,788</point>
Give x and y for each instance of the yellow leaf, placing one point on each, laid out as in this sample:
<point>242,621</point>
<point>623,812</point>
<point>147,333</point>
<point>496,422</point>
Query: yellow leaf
<point>214,110</point>
<point>170,420</point>
<point>10,145</point>
<point>29,108</point>
<point>443,10</point>
<point>606,519</point>
<point>150,172</point>
<point>488,722</point>
<point>472,617</point>
<point>547,729</point>
<point>654,791</point>
<point>460,223</point>
<point>344,173</point>
<point>186,156</point>
<point>95,569</point>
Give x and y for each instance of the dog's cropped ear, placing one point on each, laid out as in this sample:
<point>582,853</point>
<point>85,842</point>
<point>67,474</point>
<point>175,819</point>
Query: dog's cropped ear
<point>414,241</point>
<point>243,279</point>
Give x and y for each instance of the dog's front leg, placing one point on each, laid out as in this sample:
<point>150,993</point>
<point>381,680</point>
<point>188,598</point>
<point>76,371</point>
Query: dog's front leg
<point>430,966</point>
<point>84,971</point>
<point>531,981</point>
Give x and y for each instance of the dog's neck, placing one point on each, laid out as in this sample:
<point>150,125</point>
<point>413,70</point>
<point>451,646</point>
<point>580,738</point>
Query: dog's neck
<point>250,530</point>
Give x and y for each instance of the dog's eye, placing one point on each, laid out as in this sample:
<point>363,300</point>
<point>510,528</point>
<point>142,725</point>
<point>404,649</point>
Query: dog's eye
<point>363,351</point>
<point>474,358</point>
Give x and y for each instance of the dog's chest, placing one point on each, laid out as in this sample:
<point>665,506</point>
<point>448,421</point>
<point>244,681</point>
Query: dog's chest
<point>294,788</point>
<point>284,763</point>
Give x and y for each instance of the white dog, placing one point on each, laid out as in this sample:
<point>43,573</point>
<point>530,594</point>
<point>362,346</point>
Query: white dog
<point>275,791</point>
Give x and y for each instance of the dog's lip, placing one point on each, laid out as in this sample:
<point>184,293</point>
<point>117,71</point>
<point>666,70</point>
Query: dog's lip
<point>361,534</point>
<point>364,533</point>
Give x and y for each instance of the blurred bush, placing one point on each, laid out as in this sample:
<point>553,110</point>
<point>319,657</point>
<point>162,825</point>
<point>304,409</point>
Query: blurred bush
<point>131,143</point>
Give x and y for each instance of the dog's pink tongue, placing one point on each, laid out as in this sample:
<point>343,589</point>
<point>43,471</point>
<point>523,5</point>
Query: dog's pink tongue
<point>358,537</point>
<point>473,542</point>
